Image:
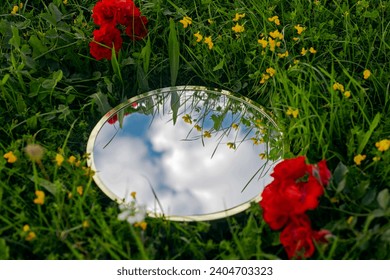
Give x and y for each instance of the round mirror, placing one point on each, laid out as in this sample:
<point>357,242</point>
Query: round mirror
<point>190,153</point>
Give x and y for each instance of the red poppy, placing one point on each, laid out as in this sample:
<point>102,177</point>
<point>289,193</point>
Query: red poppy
<point>104,39</point>
<point>298,237</point>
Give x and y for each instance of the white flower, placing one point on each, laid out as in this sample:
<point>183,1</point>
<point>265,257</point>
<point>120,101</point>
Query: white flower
<point>131,213</point>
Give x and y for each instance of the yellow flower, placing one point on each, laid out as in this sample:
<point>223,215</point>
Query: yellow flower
<point>143,225</point>
<point>70,195</point>
<point>295,39</point>
<point>65,2</point>
<point>72,159</point>
<point>79,190</point>
<point>186,21</point>
<point>312,50</point>
<point>231,145</point>
<point>10,157</point>
<point>59,159</point>
<point>296,61</point>
<point>210,21</point>
<point>291,112</point>
<point>282,55</point>
<point>264,78</point>
<point>276,34</point>
<point>271,71</point>
<point>263,42</point>
<point>30,236</point>
<point>206,134</point>
<point>347,94</point>
<point>359,158</point>
<point>366,74</point>
<point>376,158</point>
<point>350,220</point>
<point>15,9</point>
<point>133,195</point>
<point>197,127</point>
<point>85,224</point>
<point>272,44</point>
<point>26,228</point>
<point>383,145</point>
<point>303,51</point>
<point>338,86</point>
<point>187,119</point>
<point>238,28</point>
<point>40,200</point>
<point>299,28</point>
<point>238,17</point>
<point>198,36</point>
<point>209,42</point>
<point>274,19</point>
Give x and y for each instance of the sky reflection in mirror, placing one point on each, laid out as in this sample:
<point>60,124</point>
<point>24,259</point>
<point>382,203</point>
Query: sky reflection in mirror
<point>187,152</point>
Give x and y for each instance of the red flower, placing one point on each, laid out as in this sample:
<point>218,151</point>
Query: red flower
<point>321,172</point>
<point>136,29</point>
<point>104,13</point>
<point>298,237</point>
<point>104,39</point>
<point>293,191</point>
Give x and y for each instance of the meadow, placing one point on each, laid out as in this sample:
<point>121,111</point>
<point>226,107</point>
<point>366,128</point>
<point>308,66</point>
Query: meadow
<point>321,68</point>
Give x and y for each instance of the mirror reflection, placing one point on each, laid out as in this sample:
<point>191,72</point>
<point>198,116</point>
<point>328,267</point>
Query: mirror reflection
<point>185,151</point>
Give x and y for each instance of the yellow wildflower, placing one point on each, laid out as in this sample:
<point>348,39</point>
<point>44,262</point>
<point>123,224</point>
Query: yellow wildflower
<point>303,51</point>
<point>65,2</point>
<point>359,158</point>
<point>295,39</point>
<point>198,36</point>
<point>338,86</point>
<point>238,28</point>
<point>282,55</point>
<point>238,16</point>
<point>80,190</point>
<point>30,236</point>
<point>347,94</point>
<point>231,145</point>
<point>133,195</point>
<point>274,19</point>
<point>264,78</point>
<point>209,42</point>
<point>206,134</point>
<point>272,44</point>
<point>20,5</point>
<point>296,61</point>
<point>143,225</point>
<point>85,224</point>
<point>271,71</point>
<point>263,42</point>
<point>276,34</point>
<point>235,126</point>
<point>10,157</point>
<point>59,159</point>
<point>376,158</point>
<point>350,220</point>
<point>186,21</point>
<point>197,127</point>
<point>187,118</point>
<point>366,74</point>
<point>383,145</point>
<point>312,50</point>
<point>70,195</point>
<point>292,112</point>
<point>210,21</point>
<point>26,228</point>
<point>40,199</point>
<point>72,159</point>
<point>15,9</point>
<point>299,28</point>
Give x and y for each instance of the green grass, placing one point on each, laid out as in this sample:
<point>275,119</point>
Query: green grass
<point>53,93</point>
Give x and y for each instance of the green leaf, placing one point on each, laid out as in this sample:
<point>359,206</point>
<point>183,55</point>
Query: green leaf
<point>368,134</point>
<point>47,185</point>
<point>4,250</point>
<point>146,52</point>
<point>173,52</point>
<point>383,199</point>
<point>115,65</point>
<point>175,105</point>
<point>102,102</point>
<point>219,66</point>
<point>15,40</point>
<point>340,176</point>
